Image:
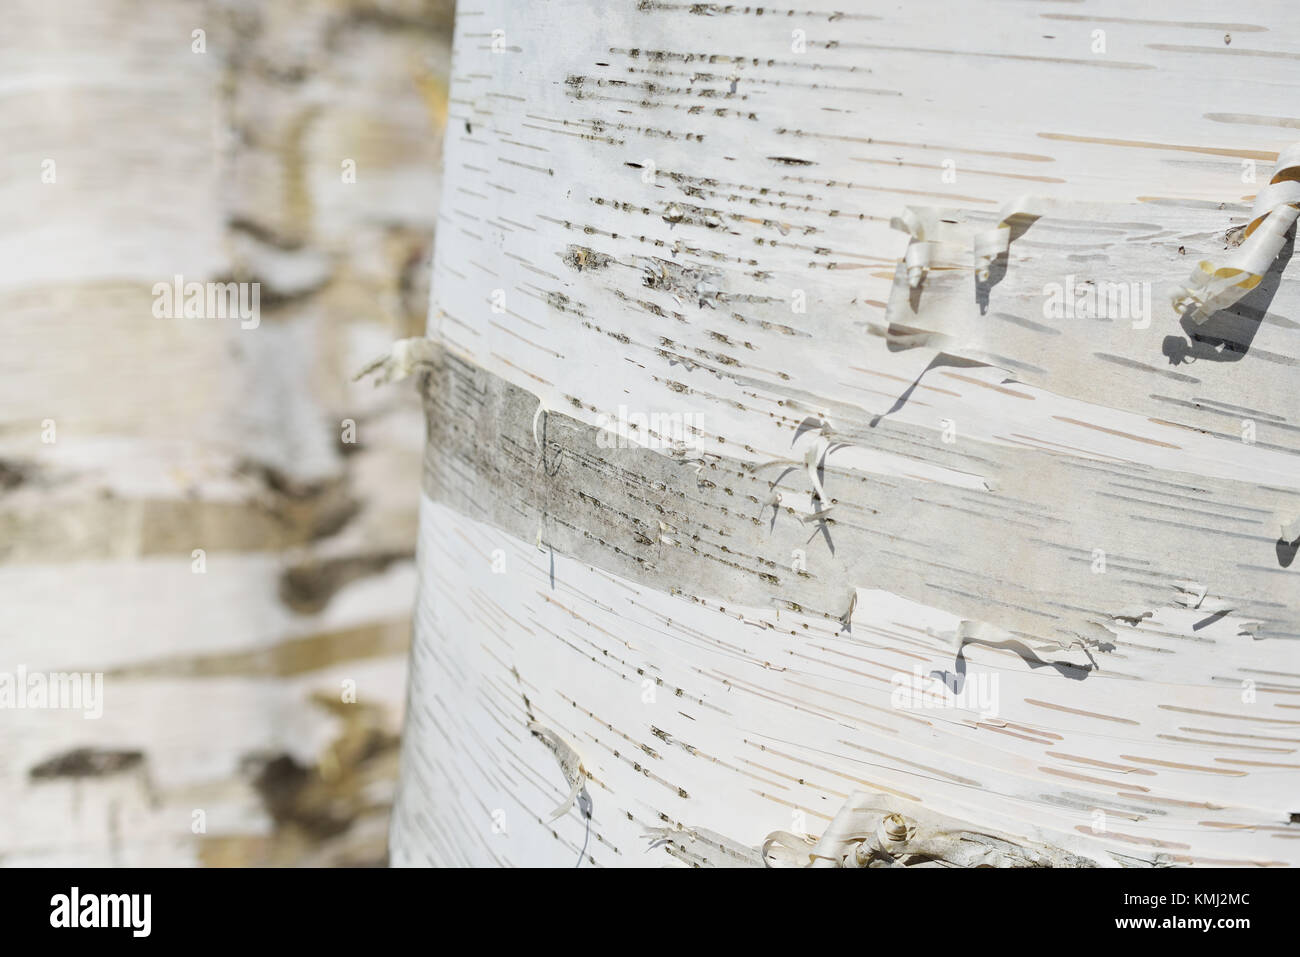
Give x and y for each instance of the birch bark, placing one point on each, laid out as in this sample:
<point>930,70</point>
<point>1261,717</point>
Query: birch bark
<point>738,546</point>
<point>208,515</point>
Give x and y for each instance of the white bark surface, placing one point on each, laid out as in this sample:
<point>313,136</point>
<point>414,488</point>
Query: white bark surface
<point>678,209</point>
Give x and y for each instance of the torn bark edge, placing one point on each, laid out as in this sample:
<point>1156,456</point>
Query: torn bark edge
<point>883,831</point>
<point>404,357</point>
<point>570,765</point>
<point>1214,286</point>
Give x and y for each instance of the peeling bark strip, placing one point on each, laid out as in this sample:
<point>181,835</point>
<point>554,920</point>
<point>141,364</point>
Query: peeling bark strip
<point>875,831</point>
<point>1015,550</point>
<point>979,521</point>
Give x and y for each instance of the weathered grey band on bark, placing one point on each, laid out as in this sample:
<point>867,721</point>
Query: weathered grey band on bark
<point>1018,556</point>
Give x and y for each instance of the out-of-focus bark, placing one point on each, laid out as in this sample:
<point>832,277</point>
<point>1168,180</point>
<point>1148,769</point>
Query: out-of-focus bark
<point>137,149</point>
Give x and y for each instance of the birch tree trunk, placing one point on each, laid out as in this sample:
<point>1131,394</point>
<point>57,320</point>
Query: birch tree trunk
<point>212,517</point>
<point>818,469</point>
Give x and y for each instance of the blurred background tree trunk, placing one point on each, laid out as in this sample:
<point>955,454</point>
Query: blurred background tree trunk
<point>212,516</point>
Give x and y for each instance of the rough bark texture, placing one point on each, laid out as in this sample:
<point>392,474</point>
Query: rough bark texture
<point>223,690</point>
<point>657,209</point>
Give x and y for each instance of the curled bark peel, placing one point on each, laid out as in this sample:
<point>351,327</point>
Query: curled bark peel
<point>1216,285</point>
<point>404,358</point>
<point>882,831</point>
<point>928,231</point>
<point>918,255</point>
<point>570,765</point>
<point>1014,218</point>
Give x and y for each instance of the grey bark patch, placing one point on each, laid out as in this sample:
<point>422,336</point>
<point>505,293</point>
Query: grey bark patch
<point>308,587</point>
<point>284,786</point>
<point>12,475</point>
<point>689,284</point>
<point>87,763</point>
<point>1006,555</point>
<point>583,259</point>
<point>318,509</point>
<point>320,801</point>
